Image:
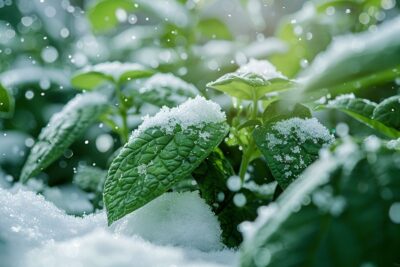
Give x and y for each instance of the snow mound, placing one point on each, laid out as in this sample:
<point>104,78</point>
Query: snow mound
<point>182,219</point>
<point>195,111</point>
<point>103,249</point>
<point>160,80</point>
<point>34,232</point>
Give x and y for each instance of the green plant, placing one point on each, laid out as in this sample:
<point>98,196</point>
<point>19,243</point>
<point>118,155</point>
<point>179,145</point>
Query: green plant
<point>248,134</point>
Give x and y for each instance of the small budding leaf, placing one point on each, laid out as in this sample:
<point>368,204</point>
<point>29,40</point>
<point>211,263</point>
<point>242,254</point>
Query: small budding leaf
<point>62,130</point>
<point>290,146</point>
<point>6,103</point>
<point>166,90</point>
<point>115,72</point>
<point>252,81</point>
<point>164,149</point>
<point>383,117</point>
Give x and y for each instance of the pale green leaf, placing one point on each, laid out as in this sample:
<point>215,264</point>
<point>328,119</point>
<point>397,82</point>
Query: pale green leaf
<point>115,72</point>
<point>252,81</point>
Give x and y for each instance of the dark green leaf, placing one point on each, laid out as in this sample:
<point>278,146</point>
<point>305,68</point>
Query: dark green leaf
<point>290,146</point>
<point>388,112</point>
<point>62,130</point>
<point>6,103</point>
<point>280,110</point>
<point>382,117</point>
<point>212,176</point>
<point>164,150</point>
<point>343,211</point>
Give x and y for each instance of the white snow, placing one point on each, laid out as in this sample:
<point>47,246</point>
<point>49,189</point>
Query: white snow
<point>194,112</point>
<point>34,232</point>
<point>182,219</point>
<point>305,129</point>
<point>261,67</point>
<point>114,69</point>
<point>103,249</point>
<point>69,198</point>
<point>160,80</point>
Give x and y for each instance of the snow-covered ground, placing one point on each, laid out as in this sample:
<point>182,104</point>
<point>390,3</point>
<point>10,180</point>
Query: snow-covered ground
<point>176,229</point>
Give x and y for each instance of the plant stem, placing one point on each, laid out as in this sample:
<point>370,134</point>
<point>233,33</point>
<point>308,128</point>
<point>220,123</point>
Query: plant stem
<point>124,133</point>
<point>246,157</point>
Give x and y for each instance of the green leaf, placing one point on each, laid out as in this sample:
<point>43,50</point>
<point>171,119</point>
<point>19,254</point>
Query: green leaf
<point>249,123</point>
<point>290,146</point>
<point>62,130</point>
<point>213,28</point>
<point>103,16</point>
<point>252,81</point>
<point>310,30</point>
<point>280,110</point>
<point>165,149</point>
<point>166,90</point>
<point>330,215</point>
<point>382,117</point>
<point>388,112</point>
<point>90,178</point>
<point>6,103</point>
<point>342,62</point>
<point>212,176</point>
<point>115,72</point>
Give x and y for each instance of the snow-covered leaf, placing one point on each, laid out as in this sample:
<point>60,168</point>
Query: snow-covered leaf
<point>62,130</point>
<point>163,150</point>
<point>383,117</point>
<point>320,220</point>
<point>252,81</point>
<point>115,72</point>
<point>166,90</point>
<point>354,56</point>
<point>6,102</point>
<point>290,146</point>
<point>34,75</point>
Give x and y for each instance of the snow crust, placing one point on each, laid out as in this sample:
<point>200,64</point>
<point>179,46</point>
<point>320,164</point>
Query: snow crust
<point>306,129</point>
<point>194,112</point>
<point>160,80</point>
<point>261,67</point>
<point>34,232</point>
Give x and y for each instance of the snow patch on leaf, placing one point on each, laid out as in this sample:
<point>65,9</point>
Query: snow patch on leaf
<point>194,112</point>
